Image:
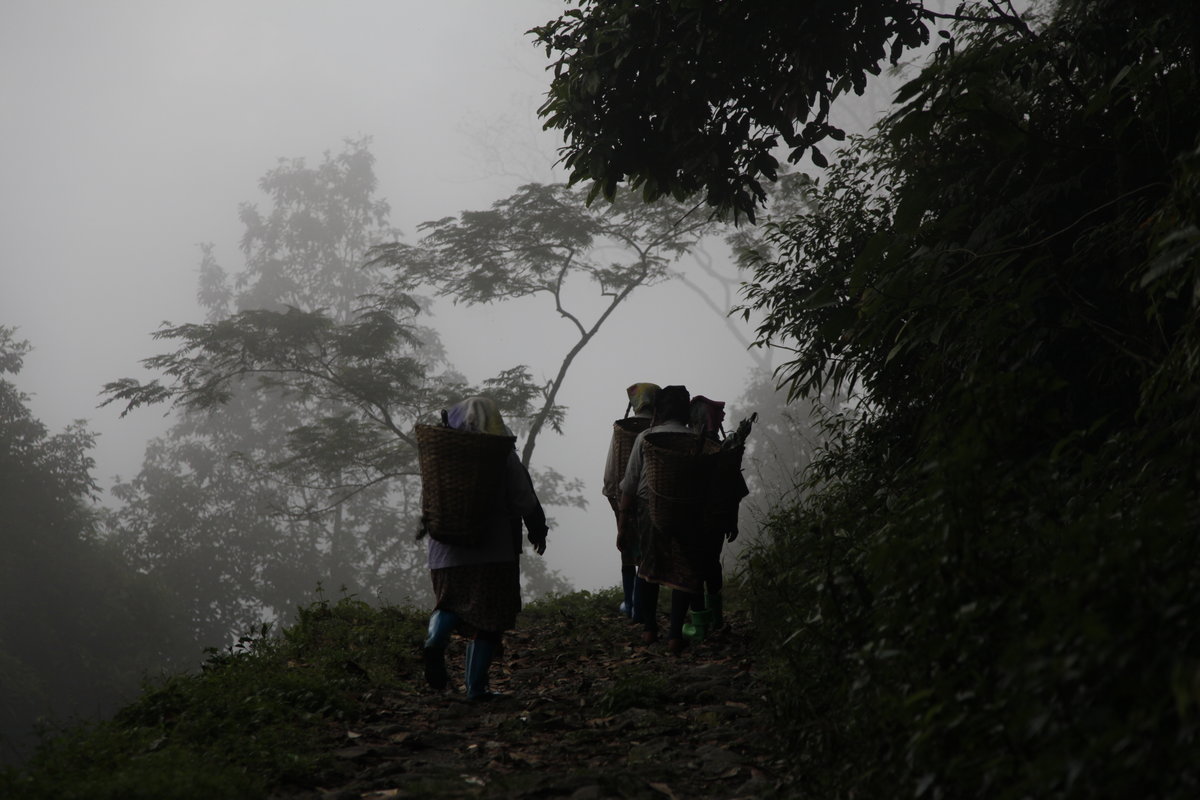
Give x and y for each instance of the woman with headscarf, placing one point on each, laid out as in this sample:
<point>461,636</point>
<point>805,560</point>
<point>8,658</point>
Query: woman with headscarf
<point>477,588</point>
<point>641,403</point>
<point>672,414</point>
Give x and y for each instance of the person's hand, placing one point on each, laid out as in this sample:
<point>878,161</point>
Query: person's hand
<point>538,540</point>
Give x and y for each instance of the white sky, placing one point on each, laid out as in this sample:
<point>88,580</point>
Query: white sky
<point>130,132</point>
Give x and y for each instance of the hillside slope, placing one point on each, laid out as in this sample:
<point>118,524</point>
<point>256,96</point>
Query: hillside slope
<point>585,714</point>
<point>336,708</point>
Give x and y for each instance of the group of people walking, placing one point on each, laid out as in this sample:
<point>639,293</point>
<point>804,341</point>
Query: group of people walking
<point>672,521</point>
<point>476,503</point>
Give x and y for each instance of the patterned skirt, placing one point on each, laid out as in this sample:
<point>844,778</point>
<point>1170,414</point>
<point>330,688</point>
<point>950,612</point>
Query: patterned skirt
<point>678,561</point>
<point>486,596</point>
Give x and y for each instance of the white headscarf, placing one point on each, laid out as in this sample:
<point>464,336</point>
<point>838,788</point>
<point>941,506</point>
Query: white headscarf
<point>477,415</point>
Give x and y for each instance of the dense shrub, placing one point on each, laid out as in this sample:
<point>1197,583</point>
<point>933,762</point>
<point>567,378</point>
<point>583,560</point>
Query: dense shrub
<point>992,588</point>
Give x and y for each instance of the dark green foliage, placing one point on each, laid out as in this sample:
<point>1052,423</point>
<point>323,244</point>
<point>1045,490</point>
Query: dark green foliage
<point>987,638</point>
<point>572,606</point>
<point>78,628</point>
<point>691,96</point>
<point>994,588</point>
<point>633,687</point>
<point>260,714</point>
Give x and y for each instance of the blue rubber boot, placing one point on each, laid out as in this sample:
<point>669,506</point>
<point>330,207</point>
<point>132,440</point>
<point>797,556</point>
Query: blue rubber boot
<point>628,580</point>
<point>441,625</point>
<point>479,660</point>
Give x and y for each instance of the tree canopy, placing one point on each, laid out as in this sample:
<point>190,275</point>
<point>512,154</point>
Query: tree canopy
<point>698,95</point>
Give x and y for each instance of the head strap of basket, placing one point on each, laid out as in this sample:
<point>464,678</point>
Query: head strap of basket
<point>462,469</point>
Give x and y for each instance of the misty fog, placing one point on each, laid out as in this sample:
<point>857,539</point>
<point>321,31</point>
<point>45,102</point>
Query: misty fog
<point>133,131</point>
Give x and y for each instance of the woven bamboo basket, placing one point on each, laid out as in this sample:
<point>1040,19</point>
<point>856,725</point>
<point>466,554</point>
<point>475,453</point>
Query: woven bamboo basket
<point>460,475</point>
<point>727,487</point>
<point>679,468</point>
<point>625,431</point>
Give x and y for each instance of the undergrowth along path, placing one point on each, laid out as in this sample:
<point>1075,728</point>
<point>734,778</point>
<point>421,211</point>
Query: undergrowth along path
<point>586,712</point>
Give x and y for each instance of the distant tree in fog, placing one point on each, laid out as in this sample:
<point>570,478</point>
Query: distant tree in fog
<point>786,438</point>
<point>293,462</point>
<point>78,628</point>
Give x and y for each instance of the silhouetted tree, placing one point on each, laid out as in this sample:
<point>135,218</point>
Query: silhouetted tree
<point>545,240</point>
<point>79,629</point>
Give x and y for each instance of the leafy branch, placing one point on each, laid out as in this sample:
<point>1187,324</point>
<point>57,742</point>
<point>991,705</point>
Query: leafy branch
<point>541,240</point>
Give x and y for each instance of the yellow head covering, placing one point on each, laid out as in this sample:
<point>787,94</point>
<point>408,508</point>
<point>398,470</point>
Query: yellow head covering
<point>642,397</point>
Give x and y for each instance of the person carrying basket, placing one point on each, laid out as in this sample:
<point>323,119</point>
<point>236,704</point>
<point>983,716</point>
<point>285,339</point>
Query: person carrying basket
<point>641,403</point>
<point>475,495</point>
<point>727,488</point>
<point>663,556</point>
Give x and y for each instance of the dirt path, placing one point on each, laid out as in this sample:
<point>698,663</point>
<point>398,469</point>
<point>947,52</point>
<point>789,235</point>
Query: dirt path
<point>586,714</point>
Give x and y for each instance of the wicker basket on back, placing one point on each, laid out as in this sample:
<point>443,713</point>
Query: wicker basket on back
<point>680,470</point>
<point>461,473</point>
<point>624,432</point>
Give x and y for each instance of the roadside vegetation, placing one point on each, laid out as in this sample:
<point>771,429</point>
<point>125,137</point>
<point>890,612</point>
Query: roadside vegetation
<point>335,706</point>
<point>257,715</point>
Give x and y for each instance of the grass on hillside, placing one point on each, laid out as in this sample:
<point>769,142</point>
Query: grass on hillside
<point>268,712</point>
<point>257,715</point>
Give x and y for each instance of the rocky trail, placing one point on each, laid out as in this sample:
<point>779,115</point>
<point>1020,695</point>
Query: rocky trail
<point>586,712</point>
